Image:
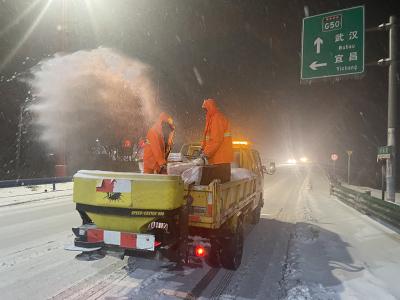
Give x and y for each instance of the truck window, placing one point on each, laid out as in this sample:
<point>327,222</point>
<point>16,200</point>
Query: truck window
<point>248,162</point>
<point>236,159</point>
<point>258,164</point>
<point>253,162</point>
<point>191,150</point>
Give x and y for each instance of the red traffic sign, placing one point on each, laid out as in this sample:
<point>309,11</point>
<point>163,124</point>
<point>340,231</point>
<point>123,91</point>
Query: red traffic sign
<point>334,157</point>
<point>127,143</point>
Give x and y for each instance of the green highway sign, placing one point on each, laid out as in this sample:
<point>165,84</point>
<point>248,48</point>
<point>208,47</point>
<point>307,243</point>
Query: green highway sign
<point>333,44</point>
<point>385,152</point>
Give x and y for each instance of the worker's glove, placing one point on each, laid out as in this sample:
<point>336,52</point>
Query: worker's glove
<point>201,153</point>
<point>204,158</point>
<point>163,169</point>
<point>198,161</point>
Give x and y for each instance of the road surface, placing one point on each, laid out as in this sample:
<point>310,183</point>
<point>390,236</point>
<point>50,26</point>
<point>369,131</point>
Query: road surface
<point>308,245</point>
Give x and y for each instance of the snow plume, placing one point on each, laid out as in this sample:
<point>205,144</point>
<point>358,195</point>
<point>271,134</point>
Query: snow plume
<point>86,95</point>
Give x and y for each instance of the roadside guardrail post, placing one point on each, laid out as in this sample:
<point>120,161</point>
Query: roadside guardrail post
<point>365,203</point>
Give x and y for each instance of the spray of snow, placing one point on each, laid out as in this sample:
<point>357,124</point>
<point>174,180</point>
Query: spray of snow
<point>89,94</point>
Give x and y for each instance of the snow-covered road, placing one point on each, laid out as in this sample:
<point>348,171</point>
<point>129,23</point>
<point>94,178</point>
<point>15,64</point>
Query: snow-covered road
<point>308,245</point>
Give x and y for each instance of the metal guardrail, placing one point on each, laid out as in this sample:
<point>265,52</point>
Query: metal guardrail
<point>34,181</point>
<point>363,201</point>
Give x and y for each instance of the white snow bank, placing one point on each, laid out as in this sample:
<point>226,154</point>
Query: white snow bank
<point>23,194</point>
<point>374,192</point>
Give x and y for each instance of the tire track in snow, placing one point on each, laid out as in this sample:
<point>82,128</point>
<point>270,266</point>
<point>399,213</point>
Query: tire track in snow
<point>15,258</point>
<point>260,263</point>
<point>202,284</point>
<point>88,287</point>
<point>222,285</point>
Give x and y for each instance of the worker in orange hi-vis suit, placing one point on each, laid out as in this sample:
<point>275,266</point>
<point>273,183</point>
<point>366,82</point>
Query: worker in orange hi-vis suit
<point>159,142</point>
<point>217,140</point>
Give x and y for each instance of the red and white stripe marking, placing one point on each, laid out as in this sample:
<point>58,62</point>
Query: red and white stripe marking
<point>122,239</point>
<point>209,204</point>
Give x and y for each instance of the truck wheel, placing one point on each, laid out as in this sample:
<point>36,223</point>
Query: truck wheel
<point>255,215</point>
<point>232,249</point>
<point>212,258</point>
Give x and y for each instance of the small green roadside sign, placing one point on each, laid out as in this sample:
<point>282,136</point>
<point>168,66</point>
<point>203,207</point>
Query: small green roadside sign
<point>333,44</point>
<point>384,152</point>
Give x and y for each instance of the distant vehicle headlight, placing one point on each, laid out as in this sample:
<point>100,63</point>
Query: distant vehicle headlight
<point>304,159</point>
<point>292,161</point>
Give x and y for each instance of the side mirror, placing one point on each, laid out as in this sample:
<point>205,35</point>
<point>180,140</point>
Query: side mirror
<point>264,169</point>
<point>272,167</point>
<point>270,170</point>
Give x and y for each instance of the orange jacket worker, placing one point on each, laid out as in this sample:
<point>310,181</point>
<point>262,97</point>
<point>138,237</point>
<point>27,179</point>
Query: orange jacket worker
<point>217,142</point>
<point>217,139</point>
<point>159,142</point>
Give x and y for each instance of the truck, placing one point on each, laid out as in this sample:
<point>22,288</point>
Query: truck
<point>134,214</point>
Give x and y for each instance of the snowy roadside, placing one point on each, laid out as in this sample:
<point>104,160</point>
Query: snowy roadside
<point>33,262</point>
<point>374,192</point>
<point>26,194</point>
<point>336,252</point>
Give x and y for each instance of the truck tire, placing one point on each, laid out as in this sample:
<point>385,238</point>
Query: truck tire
<point>212,258</point>
<point>256,215</point>
<point>232,249</point>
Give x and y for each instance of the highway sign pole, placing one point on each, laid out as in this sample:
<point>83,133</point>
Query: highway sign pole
<point>334,169</point>
<point>334,158</point>
<point>392,111</point>
<point>384,154</point>
<point>383,181</point>
<point>349,153</point>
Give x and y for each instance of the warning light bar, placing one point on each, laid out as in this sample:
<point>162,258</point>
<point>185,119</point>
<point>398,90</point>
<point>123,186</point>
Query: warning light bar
<point>245,143</point>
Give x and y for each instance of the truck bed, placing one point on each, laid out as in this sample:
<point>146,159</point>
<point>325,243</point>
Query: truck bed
<point>215,203</point>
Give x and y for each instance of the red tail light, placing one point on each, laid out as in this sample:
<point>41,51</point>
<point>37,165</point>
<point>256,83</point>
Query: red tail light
<point>200,251</point>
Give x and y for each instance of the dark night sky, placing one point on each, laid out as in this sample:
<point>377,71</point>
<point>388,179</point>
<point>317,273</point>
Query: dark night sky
<point>247,53</point>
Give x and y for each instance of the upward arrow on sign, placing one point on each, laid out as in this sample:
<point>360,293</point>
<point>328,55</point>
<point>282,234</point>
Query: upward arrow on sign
<point>318,42</point>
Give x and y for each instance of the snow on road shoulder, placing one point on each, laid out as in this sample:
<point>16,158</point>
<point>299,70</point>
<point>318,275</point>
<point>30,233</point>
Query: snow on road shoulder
<point>140,278</point>
<point>367,286</point>
<point>337,253</point>
<point>33,250</point>
<point>27,194</point>
<point>42,268</point>
<point>374,192</point>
